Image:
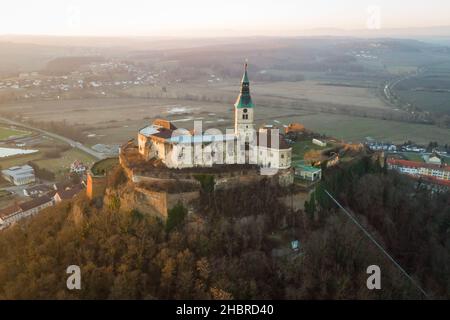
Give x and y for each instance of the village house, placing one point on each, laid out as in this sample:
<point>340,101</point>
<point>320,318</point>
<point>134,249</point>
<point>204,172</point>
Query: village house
<point>319,143</point>
<point>67,193</point>
<point>308,173</point>
<point>413,148</point>
<point>433,159</point>
<point>77,167</point>
<point>376,146</point>
<point>16,212</point>
<point>37,191</point>
<point>333,160</point>
<point>294,128</point>
<point>419,169</point>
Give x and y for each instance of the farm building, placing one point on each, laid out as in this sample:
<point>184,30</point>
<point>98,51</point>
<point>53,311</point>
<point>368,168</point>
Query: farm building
<point>308,173</point>
<point>294,128</point>
<point>319,143</point>
<point>19,175</point>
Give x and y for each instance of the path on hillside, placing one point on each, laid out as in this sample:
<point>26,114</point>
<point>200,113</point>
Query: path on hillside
<point>73,143</point>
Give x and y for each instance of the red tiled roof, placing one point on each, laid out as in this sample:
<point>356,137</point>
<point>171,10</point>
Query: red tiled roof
<point>9,211</point>
<point>25,206</point>
<point>62,185</point>
<point>415,164</point>
<point>264,139</point>
<point>165,124</point>
<point>70,193</point>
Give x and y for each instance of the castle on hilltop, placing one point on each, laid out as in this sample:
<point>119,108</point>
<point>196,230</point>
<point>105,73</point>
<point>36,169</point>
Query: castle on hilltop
<point>169,165</point>
<point>180,148</point>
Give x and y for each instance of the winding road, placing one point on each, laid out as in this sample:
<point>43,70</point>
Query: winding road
<point>73,143</point>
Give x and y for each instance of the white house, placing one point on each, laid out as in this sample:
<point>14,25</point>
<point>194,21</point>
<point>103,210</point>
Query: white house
<point>77,167</point>
<point>433,159</point>
<point>319,143</point>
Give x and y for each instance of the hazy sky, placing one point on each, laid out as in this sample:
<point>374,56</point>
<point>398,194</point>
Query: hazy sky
<point>210,17</point>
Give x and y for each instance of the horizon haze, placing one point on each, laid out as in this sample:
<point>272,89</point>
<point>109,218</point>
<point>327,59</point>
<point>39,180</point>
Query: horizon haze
<point>200,18</point>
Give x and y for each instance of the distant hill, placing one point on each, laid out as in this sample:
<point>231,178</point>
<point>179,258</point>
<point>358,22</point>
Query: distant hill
<point>65,65</point>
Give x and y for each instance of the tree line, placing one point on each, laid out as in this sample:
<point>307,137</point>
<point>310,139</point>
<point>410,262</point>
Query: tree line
<point>235,244</point>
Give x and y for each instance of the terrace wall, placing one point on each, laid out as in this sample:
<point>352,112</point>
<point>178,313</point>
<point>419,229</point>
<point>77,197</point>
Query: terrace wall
<point>162,201</point>
<point>95,186</point>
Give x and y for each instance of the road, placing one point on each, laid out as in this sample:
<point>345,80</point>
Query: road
<point>73,143</point>
<point>391,84</point>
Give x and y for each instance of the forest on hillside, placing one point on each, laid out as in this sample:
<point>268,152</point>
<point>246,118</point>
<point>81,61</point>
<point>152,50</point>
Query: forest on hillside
<point>236,245</point>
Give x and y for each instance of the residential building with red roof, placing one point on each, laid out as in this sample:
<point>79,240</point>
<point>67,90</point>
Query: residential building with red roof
<point>16,212</point>
<point>432,173</point>
<point>178,148</point>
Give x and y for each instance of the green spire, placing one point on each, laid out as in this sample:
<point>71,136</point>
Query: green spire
<point>244,99</point>
<point>245,77</point>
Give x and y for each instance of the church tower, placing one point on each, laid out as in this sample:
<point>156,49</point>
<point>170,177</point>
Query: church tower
<point>243,110</point>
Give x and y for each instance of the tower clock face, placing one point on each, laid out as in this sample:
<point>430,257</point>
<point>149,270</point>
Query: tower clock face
<point>245,110</point>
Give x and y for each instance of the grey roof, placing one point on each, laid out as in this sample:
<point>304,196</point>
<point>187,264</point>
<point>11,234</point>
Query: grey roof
<point>19,171</point>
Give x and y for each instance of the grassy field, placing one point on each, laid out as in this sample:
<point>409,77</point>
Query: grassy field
<point>356,129</point>
<point>398,70</point>
<point>412,156</point>
<point>429,90</point>
<point>7,133</point>
<point>21,159</point>
<point>61,165</point>
<point>314,91</point>
<point>438,102</point>
<point>114,121</point>
<point>106,111</point>
<point>58,166</point>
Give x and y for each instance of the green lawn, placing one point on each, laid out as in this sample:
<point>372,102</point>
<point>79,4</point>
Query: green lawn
<point>61,165</point>
<point>104,165</point>
<point>7,133</point>
<point>356,129</point>
<point>21,159</point>
<point>413,156</point>
<point>4,193</point>
<point>58,166</point>
<point>301,147</point>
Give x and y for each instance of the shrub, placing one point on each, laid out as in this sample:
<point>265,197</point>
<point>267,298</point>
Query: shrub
<point>206,181</point>
<point>175,217</point>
